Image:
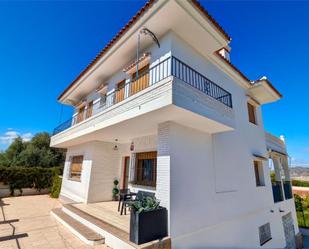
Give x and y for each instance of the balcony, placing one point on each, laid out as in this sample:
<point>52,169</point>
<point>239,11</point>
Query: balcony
<point>170,66</point>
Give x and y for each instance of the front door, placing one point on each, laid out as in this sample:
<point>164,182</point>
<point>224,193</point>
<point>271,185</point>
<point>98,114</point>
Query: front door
<point>289,232</point>
<point>126,166</point>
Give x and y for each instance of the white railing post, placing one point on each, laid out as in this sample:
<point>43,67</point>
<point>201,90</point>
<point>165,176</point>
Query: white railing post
<point>127,88</point>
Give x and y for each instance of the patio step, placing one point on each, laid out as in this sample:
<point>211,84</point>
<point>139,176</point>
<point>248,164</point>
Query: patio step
<point>114,236</point>
<point>84,233</point>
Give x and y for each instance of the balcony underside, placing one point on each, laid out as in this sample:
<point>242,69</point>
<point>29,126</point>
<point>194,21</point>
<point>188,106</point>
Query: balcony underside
<point>143,125</point>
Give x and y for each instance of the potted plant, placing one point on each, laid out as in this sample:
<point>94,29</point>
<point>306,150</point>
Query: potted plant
<point>148,220</point>
<point>115,190</point>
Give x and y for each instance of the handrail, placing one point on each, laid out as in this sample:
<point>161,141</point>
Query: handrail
<point>170,66</point>
<point>189,75</point>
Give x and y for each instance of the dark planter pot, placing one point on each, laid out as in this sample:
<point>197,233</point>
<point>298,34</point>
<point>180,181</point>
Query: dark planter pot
<point>148,226</point>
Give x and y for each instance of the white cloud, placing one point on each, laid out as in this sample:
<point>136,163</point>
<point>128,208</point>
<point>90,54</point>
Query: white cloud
<point>27,136</point>
<point>8,137</point>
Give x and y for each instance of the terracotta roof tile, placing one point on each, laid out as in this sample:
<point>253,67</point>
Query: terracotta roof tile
<point>232,66</point>
<point>269,84</point>
<point>214,22</point>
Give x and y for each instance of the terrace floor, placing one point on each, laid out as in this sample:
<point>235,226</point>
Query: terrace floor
<point>26,223</point>
<point>108,212</point>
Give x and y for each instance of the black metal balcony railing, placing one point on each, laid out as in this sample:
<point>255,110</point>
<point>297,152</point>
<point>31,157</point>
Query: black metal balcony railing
<point>287,190</point>
<point>187,74</point>
<point>168,67</point>
<point>277,191</point>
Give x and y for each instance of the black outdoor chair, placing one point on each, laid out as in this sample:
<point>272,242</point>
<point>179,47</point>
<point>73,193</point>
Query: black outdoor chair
<point>142,194</point>
<point>122,192</point>
<point>126,202</point>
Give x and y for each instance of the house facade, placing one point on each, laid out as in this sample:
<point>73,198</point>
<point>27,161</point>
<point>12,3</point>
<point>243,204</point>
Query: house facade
<point>179,120</point>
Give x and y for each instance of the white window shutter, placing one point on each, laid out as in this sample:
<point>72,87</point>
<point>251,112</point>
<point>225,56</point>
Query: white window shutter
<point>132,168</point>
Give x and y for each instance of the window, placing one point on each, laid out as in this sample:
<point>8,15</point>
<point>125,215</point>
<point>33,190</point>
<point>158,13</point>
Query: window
<point>259,173</point>
<point>251,113</point>
<point>141,71</point>
<point>146,168</point>
<point>119,94</point>
<point>89,109</point>
<point>264,233</point>
<point>140,83</point>
<point>103,99</point>
<point>80,115</point>
<point>76,167</point>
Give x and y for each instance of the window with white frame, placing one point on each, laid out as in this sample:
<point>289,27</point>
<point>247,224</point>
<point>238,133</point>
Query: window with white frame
<point>264,233</point>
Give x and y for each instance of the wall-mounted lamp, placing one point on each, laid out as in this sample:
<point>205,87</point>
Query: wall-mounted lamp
<point>115,147</point>
<point>132,146</point>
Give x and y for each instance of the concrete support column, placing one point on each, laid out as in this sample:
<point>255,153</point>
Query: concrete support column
<point>285,167</point>
<point>277,168</point>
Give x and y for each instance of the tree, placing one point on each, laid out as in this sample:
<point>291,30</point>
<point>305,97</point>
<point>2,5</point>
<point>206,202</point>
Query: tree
<point>15,149</point>
<point>4,161</point>
<point>35,153</point>
<point>299,206</point>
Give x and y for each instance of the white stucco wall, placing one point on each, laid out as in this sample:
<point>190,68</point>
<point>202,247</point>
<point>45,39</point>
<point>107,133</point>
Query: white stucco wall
<point>77,190</point>
<point>205,180</point>
<point>106,167</point>
<point>201,216</point>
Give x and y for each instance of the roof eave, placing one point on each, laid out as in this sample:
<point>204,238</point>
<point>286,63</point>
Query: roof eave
<point>127,27</point>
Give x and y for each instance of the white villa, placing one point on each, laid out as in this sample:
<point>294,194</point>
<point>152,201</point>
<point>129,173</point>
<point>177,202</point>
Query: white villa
<point>180,120</point>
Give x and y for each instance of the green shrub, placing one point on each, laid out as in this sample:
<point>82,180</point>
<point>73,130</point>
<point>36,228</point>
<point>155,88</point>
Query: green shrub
<point>115,190</point>
<point>300,183</point>
<point>146,204</point>
<point>56,187</point>
<point>34,177</point>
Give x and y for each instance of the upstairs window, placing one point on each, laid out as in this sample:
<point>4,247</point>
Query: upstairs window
<point>264,233</point>
<point>252,113</point>
<point>120,91</point>
<point>76,168</point>
<point>141,82</point>
<point>259,173</point>
<point>89,109</point>
<point>80,115</point>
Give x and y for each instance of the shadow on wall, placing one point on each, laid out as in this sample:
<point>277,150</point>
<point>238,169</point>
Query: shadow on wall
<point>4,221</point>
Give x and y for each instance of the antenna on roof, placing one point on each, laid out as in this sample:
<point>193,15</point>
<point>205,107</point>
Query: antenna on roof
<point>144,31</point>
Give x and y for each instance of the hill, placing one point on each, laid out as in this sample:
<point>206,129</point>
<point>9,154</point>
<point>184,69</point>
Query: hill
<point>300,173</point>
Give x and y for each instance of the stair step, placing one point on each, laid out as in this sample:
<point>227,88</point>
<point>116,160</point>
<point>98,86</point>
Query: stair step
<point>87,235</point>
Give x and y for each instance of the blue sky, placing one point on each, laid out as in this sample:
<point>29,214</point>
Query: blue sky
<point>44,45</point>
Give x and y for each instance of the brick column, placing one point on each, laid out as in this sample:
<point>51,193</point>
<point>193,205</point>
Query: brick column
<point>163,166</point>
